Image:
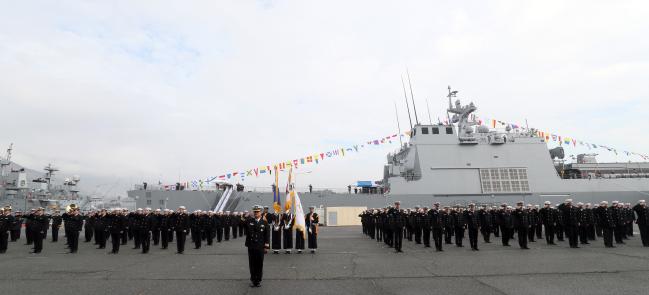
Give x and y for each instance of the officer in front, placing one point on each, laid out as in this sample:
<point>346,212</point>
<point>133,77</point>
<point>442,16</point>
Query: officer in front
<point>257,241</point>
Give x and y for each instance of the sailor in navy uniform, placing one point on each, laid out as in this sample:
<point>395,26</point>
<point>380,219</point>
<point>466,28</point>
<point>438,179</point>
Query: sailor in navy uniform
<point>6,221</point>
<point>473,224</point>
<point>181,226</point>
<point>312,221</point>
<point>275,220</point>
<point>257,242</point>
<point>56,224</point>
<point>76,223</point>
<point>396,221</point>
<point>521,220</point>
<point>288,221</point>
<point>642,211</point>
<point>605,221</point>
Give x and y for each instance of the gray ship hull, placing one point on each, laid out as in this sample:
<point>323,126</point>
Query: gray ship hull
<point>241,201</point>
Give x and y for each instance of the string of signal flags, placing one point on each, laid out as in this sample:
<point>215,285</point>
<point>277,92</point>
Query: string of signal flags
<point>311,159</point>
<point>316,158</point>
<point>561,140</point>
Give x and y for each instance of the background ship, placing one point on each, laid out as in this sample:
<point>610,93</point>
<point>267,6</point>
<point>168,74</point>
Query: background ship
<point>456,163</point>
<point>23,189</point>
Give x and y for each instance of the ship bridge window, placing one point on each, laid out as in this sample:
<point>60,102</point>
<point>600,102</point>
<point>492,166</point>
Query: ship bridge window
<point>424,130</point>
<point>449,130</point>
<point>435,130</point>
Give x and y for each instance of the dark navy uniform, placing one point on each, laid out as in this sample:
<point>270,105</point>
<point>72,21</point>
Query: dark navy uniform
<point>642,211</point>
<point>39,224</point>
<point>274,219</point>
<point>396,221</point>
<point>288,221</point>
<point>181,225</point>
<point>257,242</point>
<point>6,222</point>
<point>16,227</point>
<point>522,224</point>
<point>75,225</point>
<point>548,218</point>
<point>486,224</point>
<point>56,224</point>
<point>116,224</point>
<point>312,221</point>
<point>473,224</point>
<point>460,226</point>
<point>606,222</point>
<point>437,225</point>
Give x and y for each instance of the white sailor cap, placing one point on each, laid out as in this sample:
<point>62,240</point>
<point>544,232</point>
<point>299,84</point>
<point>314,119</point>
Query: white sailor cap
<point>603,203</point>
<point>568,200</point>
<point>509,207</point>
<point>580,204</point>
<point>547,203</point>
<point>147,208</point>
<point>615,202</point>
<point>182,207</point>
<point>157,210</point>
<point>139,209</point>
<point>641,201</point>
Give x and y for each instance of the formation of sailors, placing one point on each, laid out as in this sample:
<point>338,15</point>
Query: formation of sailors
<point>579,223</point>
<point>119,226</point>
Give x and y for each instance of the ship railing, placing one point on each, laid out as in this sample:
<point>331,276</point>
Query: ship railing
<point>299,189</point>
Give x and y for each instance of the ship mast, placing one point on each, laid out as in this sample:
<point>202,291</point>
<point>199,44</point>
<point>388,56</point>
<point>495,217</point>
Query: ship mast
<point>398,125</point>
<point>405,96</point>
<point>412,97</point>
<point>50,174</point>
<point>450,96</point>
<point>7,160</point>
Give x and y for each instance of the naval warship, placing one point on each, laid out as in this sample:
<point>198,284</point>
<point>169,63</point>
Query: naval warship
<point>24,189</point>
<point>457,162</point>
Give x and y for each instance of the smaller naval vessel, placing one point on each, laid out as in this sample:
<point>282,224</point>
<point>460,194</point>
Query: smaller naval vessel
<point>24,189</point>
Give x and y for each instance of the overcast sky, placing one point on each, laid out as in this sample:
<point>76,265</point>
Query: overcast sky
<point>122,92</point>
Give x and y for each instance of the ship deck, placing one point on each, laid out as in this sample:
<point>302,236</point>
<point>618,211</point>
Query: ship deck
<point>347,263</point>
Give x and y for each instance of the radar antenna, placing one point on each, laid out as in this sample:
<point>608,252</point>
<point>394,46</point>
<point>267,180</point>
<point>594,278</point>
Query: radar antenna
<point>451,95</point>
<point>50,173</point>
<point>460,114</point>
